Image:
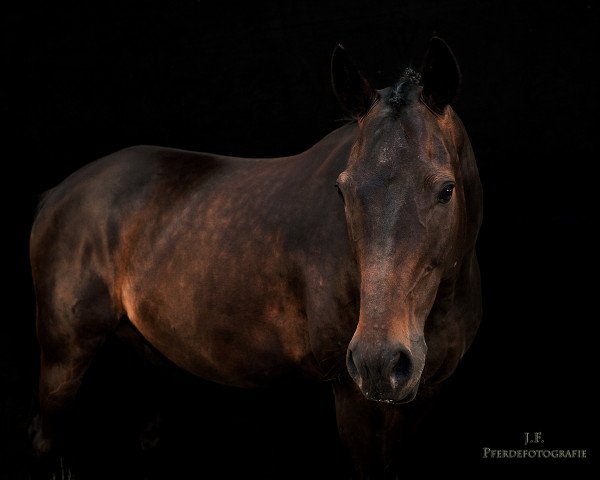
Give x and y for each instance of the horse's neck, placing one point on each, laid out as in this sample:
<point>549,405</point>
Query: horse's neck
<point>332,151</point>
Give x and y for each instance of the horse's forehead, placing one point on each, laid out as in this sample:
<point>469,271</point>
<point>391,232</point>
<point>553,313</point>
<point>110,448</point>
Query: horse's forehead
<point>412,138</point>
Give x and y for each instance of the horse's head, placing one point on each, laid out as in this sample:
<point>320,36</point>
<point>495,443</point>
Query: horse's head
<point>405,191</point>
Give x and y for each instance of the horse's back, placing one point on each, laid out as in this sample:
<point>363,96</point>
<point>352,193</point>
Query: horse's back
<point>108,188</point>
<point>115,188</point>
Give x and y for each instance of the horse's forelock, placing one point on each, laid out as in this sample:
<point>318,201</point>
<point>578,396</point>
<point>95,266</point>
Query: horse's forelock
<point>397,96</point>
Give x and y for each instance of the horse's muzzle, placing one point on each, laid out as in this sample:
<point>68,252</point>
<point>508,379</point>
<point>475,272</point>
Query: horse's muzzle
<point>384,374</point>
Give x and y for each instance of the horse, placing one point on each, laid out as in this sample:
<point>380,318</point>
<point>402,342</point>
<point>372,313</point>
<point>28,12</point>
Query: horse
<point>353,262</point>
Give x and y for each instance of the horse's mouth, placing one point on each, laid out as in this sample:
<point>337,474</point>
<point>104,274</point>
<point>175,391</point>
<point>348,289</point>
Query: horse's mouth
<point>409,397</point>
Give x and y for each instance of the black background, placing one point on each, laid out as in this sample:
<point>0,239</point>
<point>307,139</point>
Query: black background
<point>83,79</point>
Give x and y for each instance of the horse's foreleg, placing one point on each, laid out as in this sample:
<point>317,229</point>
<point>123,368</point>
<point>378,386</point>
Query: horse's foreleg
<point>370,431</point>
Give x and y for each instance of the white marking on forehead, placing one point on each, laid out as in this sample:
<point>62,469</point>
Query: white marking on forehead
<point>390,152</point>
<point>385,156</point>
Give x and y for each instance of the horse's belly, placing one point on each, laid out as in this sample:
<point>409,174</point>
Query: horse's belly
<point>240,348</point>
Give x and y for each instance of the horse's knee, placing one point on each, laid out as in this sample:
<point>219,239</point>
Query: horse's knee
<point>59,382</point>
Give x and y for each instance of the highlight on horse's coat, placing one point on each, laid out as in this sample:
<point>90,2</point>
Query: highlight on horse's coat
<point>242,271</point>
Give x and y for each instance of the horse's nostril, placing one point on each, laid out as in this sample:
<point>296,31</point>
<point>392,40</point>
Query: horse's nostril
<point>402,369</point>
<point>352,369</point>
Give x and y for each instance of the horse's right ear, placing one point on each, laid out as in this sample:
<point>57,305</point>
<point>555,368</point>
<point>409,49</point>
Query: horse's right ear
<point>353,91</point>
<point>441,76</point>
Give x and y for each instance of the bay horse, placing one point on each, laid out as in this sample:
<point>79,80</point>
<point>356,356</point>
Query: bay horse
<point>242,271</point>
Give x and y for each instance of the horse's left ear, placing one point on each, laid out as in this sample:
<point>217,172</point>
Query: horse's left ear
<point>441,75</point>
<point>352,89</point>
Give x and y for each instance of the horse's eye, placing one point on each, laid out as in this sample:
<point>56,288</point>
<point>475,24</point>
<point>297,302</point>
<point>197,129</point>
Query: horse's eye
<point>446,193</point>
<point>339,190</point>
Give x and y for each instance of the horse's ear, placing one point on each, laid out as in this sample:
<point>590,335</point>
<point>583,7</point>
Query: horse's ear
<point>353,90</point>
<point>441,75</point>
